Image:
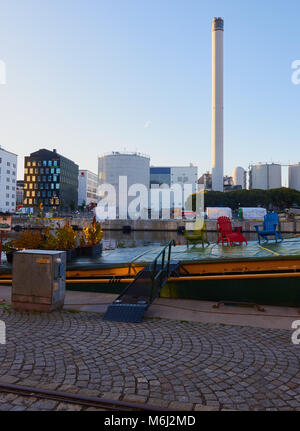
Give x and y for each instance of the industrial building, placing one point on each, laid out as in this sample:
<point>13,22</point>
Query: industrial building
<point>294,177</point>
<point>8,181</point>
<point>239,177</point>
<point>50,179</point>
<point>135,167</point>
<point>87,187</point>
<point>265,176</point>
<point>171,175</point>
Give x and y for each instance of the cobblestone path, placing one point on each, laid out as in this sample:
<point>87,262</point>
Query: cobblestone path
<point>180,365</point>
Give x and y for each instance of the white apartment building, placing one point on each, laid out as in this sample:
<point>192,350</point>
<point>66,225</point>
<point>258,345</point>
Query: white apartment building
<point>8,181</point>
<point>87,187</point>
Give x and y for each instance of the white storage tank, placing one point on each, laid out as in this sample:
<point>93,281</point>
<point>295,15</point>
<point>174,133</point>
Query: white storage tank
<point>294,177</point>
<point>239,177</point>
<point>134,166</point>
<point>265,176</point>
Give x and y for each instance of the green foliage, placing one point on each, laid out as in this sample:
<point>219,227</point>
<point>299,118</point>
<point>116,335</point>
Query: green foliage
<point>279,198</point>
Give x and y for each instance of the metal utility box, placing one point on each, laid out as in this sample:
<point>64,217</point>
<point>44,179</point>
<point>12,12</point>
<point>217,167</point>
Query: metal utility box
<point>39,280</point>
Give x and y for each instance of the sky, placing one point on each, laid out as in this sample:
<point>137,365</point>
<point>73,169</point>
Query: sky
<point>93,76</point>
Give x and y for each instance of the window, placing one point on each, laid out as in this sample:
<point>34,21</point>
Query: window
<point>54,178</point>
<point>13,181</point>
<point>57,186</point>
<point>58,170</point>
<point>7,204</point>
<point>30,186</point>
<point>38,193</point>
<point>28,193</point>
<point>25,201</point>
<point>8,163</point>
<point>43,194</point>
<point>7,187</point>
<point>52,186</point>
<point>25,186</point>
<point>28,178</point>
<point>38,178</point>
<point>47,171</point>
<point>13,196</point>
<point>14,165</point>
<point>50,178</point>
<point>44,178</point>
<point>46,186</point>
<point>36,186</point>
<point>50,163</point>
<point>52,170</point>
<point>28,163</point>
<point>33,194</point>
<point>7,195</point>
<point>31,170</point>
<point>49,194</point>
<point>55,163</point>
<point>41,186</point>
<point>36,171</point>
<point>13,172</point>
<point>33,164</point>
<point>13,188</point>
<point>44,162</point>
<point>42,171</point>
<point>39,163</point>
<point>56,201</point>
<point>30,201</point>
<point>7,180</point>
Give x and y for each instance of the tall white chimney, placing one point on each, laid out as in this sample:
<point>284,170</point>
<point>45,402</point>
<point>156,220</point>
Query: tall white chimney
<point>217,104</point>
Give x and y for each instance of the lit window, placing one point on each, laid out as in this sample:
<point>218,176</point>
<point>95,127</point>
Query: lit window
<point>25,201</point>
<point>30,201</point>
<point>33,194</point>
<point>25,186</point>
<point>28,193</point>
<point>33,163</point>
<point>25,171</point>
<point>56,201</point>
<point>28,178</point>
<point>28,163</point>
<point>30,186</point>
<point>31,170</point>
<point>33,178</point>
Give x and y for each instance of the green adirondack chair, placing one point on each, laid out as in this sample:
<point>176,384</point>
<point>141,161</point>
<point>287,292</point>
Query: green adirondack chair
<point>197,234</point>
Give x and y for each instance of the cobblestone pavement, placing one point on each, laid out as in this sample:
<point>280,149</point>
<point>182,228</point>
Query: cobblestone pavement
<point>174,364</point>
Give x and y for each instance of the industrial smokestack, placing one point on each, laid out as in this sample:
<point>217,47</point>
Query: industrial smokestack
<point>217,104</point>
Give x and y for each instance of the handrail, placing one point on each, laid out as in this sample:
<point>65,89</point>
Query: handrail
<point>160,273</point>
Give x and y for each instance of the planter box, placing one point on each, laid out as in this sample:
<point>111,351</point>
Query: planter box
<point>90,251</point>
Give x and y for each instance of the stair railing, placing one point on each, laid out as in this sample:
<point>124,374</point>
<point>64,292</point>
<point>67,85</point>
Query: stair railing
<point>164,270</point>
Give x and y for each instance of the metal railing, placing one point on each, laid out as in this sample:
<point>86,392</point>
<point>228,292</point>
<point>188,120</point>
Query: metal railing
<point>164,270</point>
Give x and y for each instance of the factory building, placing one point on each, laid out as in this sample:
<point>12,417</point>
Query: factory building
<point>135,167</point>
<point>294,177</point>
<point>265,176</point>
<point>239,177</point>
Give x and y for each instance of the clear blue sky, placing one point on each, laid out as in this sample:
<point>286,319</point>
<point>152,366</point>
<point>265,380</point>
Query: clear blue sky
<point>85,77</point>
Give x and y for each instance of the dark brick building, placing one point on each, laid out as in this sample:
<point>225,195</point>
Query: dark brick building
<point>50,179</point>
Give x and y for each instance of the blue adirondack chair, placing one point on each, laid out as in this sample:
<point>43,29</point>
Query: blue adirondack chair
<point>271,227</point>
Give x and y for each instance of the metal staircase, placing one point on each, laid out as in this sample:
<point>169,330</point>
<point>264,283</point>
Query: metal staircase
<point>131,305</point>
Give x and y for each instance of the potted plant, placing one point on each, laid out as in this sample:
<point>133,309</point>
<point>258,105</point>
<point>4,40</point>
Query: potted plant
<point>66,240</point>
<point>90,240</point>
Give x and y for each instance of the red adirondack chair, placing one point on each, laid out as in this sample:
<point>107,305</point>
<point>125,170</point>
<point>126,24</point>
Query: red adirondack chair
<point>225,233</point>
